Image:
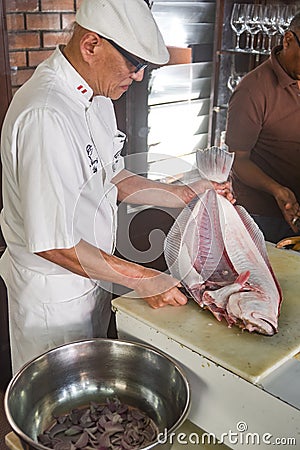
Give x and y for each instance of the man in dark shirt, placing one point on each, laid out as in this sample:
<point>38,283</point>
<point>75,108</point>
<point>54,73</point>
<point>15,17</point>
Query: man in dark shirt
<point>263,129</point>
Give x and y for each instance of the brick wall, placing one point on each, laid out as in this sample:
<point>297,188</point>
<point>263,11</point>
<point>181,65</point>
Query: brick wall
<point>35,27</point>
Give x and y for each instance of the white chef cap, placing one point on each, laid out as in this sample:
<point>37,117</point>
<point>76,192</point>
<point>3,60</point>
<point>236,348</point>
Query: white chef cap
<point>129,23</point>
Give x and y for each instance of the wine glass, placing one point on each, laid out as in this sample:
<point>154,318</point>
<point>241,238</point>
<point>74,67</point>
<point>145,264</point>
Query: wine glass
<point>233,81</point>
<point>269,23</point>
<point>237,22</point>
<point>292,11</point>
<point>283,19</point>
<point>252,22</point>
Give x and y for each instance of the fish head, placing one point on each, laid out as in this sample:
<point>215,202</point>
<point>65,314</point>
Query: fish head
<point>252,310</point>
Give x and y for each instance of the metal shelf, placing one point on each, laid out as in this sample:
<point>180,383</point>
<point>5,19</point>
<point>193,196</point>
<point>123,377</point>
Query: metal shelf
<point>228,60</point>
<point>243,51</point>
<point>219,108</point>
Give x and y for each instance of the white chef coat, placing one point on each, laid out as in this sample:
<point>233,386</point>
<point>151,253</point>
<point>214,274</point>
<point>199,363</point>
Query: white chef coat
<point>60,148</point>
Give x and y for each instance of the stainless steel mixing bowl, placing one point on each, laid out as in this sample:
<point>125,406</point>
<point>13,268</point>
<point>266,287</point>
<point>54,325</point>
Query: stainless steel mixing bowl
<point>72,375</point>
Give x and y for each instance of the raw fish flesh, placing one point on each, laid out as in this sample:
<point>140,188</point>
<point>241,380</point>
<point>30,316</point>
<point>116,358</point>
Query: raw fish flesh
<point>219,254</point>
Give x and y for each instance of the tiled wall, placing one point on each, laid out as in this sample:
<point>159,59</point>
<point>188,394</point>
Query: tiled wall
<point>35,27</point>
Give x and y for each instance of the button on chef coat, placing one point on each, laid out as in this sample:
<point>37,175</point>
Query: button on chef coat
<point>60,149</point>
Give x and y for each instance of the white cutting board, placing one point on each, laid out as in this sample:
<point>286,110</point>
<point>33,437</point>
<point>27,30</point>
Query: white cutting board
<point>250,356</point>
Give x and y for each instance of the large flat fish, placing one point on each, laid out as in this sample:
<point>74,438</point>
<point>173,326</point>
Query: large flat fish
<point>219,254</point>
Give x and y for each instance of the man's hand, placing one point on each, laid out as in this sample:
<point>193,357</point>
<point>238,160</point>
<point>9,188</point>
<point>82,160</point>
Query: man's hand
<point>159,289</point>
<point>198,187</point>
<point>289,206</point>
<point>225,189</point>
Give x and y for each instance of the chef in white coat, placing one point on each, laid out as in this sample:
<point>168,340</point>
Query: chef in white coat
<point>62,176</point>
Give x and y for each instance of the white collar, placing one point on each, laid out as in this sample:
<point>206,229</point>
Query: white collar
<point>78,86</point>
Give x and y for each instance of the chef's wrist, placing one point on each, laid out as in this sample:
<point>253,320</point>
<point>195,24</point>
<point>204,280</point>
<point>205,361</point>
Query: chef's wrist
<point>188,194</point>
<point>198,187</point>
<point>138,276</point>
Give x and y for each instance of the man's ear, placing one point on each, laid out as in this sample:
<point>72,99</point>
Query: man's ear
<point>288,37</point>
<point>88,43</point>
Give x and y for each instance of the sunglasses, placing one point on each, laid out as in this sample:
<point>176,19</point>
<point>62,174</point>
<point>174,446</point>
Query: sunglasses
<point>139,65</point>
<point>149,3</point>
<point>296,37</point>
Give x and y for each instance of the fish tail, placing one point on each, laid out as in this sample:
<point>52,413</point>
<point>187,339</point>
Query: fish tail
<point>214,163</point>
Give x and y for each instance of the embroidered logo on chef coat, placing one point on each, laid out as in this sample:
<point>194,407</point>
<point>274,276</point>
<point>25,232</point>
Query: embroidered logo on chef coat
<point>94,162</point>
<point>118,143</point>
<point>116,160</point>
<point>82,89</point>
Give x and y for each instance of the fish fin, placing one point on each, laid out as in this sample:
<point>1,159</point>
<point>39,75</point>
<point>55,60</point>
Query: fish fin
<point>179,256</point>
<point>243,278</point>
<point>259,240</point>
<point>214,163</point>
<point>254,231</point>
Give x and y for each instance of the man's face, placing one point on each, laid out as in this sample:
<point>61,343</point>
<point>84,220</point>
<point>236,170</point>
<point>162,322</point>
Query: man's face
<point>112,74</point>
<point>291,44</point>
